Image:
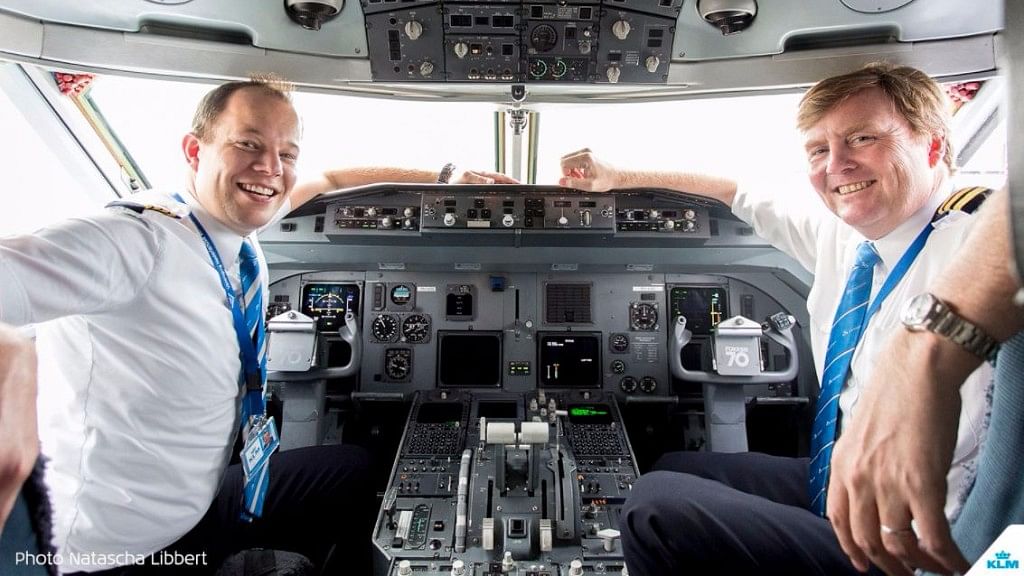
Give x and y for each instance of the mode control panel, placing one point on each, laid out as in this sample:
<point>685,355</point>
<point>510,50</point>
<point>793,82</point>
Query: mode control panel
<point>664,220</point>
<point>375,217</point>
<point>518,212</point>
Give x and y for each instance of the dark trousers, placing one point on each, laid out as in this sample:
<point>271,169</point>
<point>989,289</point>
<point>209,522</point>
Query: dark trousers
<point>308,488</point>
<point>709,513</point>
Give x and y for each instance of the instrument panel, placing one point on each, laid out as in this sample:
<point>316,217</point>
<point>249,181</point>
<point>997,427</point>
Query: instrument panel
<point>522,331</point>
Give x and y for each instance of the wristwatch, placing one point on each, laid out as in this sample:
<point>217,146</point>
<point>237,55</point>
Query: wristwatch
<point>446,173</point>
<point>926,312</point>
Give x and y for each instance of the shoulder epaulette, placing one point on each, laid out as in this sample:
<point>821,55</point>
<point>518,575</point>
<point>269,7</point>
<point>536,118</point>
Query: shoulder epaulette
<point>139,208</point>
<point>965,200</point>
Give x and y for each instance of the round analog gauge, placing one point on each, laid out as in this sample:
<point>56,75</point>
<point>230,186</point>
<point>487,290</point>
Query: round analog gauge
<point>401,294</point>
<point>384,328</point>
<point>643,316</point>
<point>628,384</point>
<point>618,367</point>
<point>543,38</point>
<point>619,343</point>
<point>328,305</point>
<point>416,328</point>
<point>648,384</point>
<point>397,364</point>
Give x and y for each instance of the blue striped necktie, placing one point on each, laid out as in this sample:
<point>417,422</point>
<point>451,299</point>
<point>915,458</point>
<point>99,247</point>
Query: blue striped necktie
<point>255,489</point>
<point>252,298</point>
<point>846,330</point>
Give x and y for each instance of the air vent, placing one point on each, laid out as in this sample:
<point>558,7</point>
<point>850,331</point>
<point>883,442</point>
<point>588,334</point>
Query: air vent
<point>567,304</point>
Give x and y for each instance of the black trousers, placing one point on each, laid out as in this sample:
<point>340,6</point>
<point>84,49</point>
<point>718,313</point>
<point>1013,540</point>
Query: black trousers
<point>308,486</point>
<point>732,514</point>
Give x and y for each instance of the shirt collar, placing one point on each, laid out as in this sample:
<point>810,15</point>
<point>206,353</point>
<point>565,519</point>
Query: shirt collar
<point>891,247</point>
<point>226,240</point>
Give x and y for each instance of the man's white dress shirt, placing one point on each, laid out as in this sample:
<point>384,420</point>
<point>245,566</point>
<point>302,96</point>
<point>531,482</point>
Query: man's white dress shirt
<point>138,372</point>
<point>797,222</point>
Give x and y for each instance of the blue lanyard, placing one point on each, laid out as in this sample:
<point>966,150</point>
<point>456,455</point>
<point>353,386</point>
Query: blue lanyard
<point>898,272</point>
<point>253,404</point>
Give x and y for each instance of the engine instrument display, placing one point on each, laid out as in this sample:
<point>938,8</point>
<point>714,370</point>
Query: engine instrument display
<point>570,360</point>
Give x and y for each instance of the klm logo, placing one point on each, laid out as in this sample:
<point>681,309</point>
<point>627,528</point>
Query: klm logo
<point>1002,562</point>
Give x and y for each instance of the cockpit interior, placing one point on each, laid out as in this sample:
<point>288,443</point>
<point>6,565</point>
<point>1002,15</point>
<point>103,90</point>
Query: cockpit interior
<point>515,356</point>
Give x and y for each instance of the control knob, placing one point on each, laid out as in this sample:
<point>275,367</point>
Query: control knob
<point>670,225</point>
<point>371,212</point>
<point>576,568</point>
<point>621,29</point>
<point>652,63</point>
<point>563,221</point>
<point>507,562</point>
<point>387,222</point>
<point>405,568</point>
<point>450,219</point>
<point>461,49</point>
<point>508,220</point>
<point>408,212</point>
<point>427,68</point>
<point>689,214</point>
<point>585,46</point>
<point>613,74</point>
<point>689,225</point>
<point>413,29</point>
<point>458,568</point>
<point>648,384</point>
<point>586,219</point>
<point>408,223</point>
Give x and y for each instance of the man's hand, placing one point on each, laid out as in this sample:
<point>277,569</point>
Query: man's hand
<point>889,466</point>
<point>19,440</point>
<point>583,171</point>
<point>483,177</point>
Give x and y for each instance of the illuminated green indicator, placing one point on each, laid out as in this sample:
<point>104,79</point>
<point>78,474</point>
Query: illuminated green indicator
<point>587,411</point>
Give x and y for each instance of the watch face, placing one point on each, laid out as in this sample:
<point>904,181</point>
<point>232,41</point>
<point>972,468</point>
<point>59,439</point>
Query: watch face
<point>916,310</point>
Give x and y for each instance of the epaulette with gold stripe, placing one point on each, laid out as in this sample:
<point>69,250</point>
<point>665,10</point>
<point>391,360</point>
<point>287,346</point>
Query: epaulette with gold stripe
<point>140,208</point>
<point>965,200</point>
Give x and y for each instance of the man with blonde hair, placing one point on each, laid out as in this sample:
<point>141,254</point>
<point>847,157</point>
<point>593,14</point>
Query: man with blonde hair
<point>880,160</point>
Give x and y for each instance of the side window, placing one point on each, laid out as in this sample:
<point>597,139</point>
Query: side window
<point>37,187</point>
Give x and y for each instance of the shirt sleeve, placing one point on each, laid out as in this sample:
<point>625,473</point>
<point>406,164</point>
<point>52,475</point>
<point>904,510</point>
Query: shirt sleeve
<point>789,215</point>
<point>80,266</point>
<point>286,207</point>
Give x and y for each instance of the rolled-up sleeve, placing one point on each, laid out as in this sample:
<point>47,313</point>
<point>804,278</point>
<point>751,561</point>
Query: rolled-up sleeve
<point>786,213</point>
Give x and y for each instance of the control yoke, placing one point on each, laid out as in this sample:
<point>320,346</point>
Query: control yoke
<point>737,361</point>
<point>291,347</point>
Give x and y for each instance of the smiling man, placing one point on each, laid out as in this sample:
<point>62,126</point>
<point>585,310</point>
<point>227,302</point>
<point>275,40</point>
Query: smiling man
<point>150,339</point>
<point>880,161</point>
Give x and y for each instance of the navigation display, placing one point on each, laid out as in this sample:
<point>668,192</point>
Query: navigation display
<point>703,306</point>
<point>469,358</point>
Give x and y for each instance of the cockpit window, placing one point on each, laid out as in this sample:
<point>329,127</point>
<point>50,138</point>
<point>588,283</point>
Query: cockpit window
<point>740,136</point>
<point>151,116</point>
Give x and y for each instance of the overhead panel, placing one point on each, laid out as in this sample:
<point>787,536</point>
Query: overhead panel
<point>573,41</point>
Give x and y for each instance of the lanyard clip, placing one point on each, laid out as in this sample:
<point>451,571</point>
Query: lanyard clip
<point>253,381</point>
